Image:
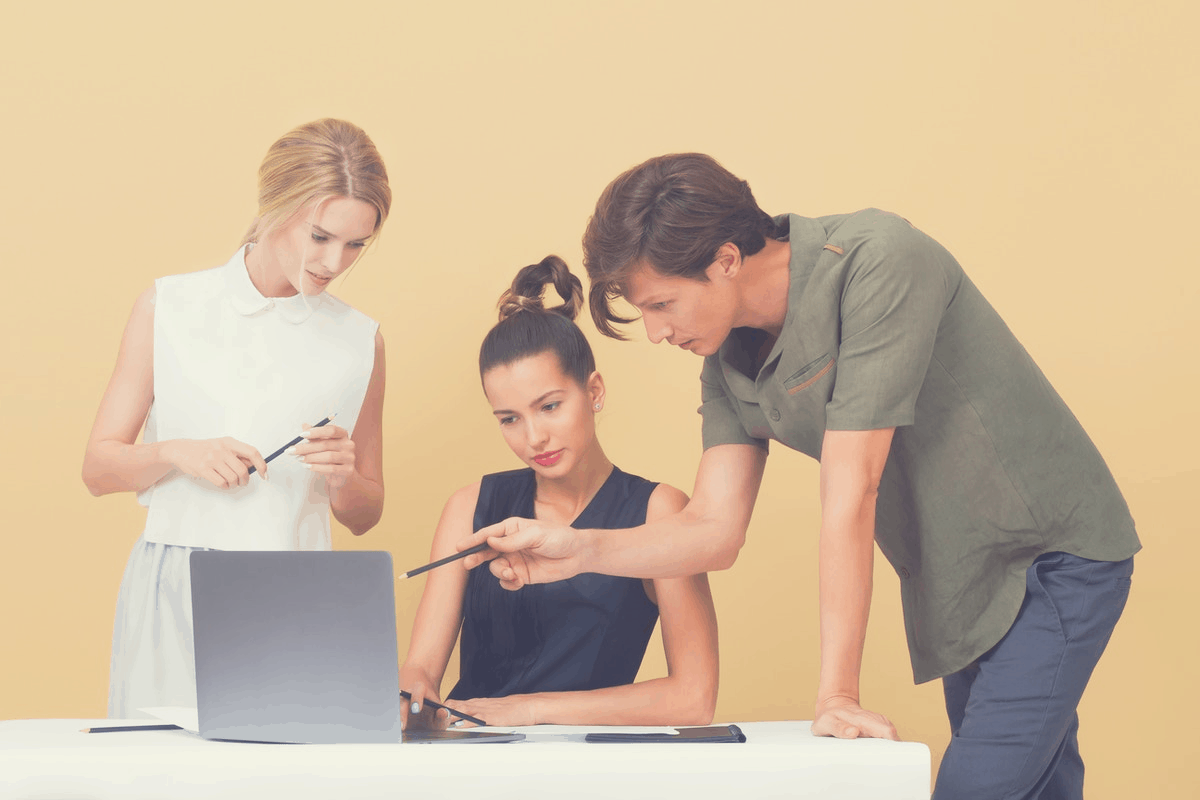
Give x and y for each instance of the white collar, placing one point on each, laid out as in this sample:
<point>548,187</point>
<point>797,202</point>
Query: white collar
<point>248,301</point>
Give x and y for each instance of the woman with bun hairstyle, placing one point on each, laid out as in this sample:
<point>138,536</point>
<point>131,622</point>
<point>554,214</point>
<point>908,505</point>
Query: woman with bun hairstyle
<point>223,365</point>
<point>565,652</point>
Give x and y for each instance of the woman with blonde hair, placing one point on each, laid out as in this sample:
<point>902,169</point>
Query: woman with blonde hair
<point>223,365</point>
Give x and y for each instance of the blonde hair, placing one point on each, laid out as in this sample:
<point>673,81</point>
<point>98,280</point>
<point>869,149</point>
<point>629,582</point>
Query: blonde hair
<point>314,162</point>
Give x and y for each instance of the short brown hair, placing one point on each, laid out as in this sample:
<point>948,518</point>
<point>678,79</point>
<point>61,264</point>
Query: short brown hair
<point>672,214</point>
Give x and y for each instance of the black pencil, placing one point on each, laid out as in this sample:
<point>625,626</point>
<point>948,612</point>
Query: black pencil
<point>467,717</point>
<point>479,548</point>
<point>121,728</point>
<point>295,441</point>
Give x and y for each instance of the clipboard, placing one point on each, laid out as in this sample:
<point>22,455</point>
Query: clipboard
<point>708,733</point>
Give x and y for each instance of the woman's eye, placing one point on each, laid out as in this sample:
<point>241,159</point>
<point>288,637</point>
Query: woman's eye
<point>551,406</point>
<point>659,306</point>
<point>318,237</point>
<point>507,420</point>
<point>358,245</point>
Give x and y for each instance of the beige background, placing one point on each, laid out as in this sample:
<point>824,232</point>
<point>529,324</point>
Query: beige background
<point>1050,146</point>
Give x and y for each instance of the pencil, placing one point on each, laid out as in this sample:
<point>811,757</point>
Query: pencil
<point>120,728</point>
<point>295,441</point>
<point>479,548</point>
<point>467,717</point>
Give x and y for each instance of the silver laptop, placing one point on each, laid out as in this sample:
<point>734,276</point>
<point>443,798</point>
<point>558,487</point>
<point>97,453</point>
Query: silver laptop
<point>296,646</point>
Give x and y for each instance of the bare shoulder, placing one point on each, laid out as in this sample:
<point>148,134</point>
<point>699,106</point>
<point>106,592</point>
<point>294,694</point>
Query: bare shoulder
<point>457,516</point>
<point>665,501</point>
<point>139,329</point>
<point>144,304</point>
<point>463,500</point>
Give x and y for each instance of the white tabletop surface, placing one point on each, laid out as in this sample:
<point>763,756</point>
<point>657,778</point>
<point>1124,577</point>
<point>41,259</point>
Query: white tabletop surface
<point>51,758</point>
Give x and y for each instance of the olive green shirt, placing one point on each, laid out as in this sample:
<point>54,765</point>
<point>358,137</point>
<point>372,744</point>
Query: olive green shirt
<point>988,467</point>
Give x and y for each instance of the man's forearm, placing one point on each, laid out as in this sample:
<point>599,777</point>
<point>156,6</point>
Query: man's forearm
<point>673,547</point>
<point>846,565</point>
<point>704,537</point>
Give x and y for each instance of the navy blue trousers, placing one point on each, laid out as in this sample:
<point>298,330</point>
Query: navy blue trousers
<point>1012,712</point>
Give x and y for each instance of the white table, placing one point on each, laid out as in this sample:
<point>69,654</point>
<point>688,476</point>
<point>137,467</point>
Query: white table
<point>50,758</point>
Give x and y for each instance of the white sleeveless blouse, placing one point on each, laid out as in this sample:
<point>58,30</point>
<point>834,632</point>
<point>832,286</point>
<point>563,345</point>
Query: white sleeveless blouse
<point>230,362</point>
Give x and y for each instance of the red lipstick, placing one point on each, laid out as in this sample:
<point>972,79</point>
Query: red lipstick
<point>548,459</point>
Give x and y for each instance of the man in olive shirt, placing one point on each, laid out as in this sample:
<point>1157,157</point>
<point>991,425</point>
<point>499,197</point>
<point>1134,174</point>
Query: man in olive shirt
<point>859,340</point>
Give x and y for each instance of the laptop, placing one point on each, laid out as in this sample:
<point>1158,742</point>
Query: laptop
<point>296,646</point>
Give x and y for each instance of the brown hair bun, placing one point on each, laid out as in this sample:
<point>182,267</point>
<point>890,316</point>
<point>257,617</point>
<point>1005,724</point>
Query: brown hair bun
<point>527,289</point>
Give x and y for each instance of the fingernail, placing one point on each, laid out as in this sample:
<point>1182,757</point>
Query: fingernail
<point>290,450</point>
<point>305,434</point>
<point>416,708</point>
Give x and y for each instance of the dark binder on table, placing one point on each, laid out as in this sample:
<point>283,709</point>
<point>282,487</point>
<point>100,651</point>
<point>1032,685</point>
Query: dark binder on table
<point>711,733</point>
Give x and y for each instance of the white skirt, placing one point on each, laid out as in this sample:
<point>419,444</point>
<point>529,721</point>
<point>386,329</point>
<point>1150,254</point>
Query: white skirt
<point>153,660</point>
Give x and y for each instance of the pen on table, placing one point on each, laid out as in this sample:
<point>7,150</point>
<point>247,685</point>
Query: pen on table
<point>479,548</point>
<point>467,717</point>
<point>293,442</point>
<point>120,728</point>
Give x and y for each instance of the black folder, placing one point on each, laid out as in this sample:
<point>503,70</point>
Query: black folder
<point>710,733</point>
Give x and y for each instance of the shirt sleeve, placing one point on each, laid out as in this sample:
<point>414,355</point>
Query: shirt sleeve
<point>892,303</point>
<point>721,424</point>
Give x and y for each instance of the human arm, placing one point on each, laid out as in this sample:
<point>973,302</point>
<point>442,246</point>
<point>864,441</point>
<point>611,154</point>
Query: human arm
<point>439,614</point>
<point>897,289</point>
<point>705,535</point>
<point>353,465</point>
<point>113,460</point>
<point>686,696</point>
<point>851,467</point>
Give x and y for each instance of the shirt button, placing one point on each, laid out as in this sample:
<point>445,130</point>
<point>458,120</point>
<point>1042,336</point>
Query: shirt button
<point>903,573</point>
<point>775,415</point>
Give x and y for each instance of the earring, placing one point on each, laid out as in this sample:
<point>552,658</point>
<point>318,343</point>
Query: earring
<point>597,406</point>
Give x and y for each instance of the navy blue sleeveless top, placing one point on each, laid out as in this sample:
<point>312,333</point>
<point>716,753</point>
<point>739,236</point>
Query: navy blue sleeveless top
<point>587,632</point>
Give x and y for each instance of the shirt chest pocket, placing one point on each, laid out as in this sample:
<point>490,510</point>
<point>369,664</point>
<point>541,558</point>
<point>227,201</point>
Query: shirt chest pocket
<point>801,404</point>
<point>811,374</point>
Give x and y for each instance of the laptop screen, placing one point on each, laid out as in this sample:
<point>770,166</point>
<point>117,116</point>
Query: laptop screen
<point>296,646</point>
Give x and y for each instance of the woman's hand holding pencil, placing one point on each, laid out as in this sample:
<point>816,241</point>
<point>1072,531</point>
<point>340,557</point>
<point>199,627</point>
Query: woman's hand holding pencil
<point>227,462</point>
<point>416,712</point>
<point>327,450</point>
<point>223,462</point>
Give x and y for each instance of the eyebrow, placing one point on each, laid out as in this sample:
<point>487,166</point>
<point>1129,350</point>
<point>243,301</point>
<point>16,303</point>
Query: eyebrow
<point>644,301</point>
<point>648,299</point>
<point>499,412</point>
<point>324,232</point>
